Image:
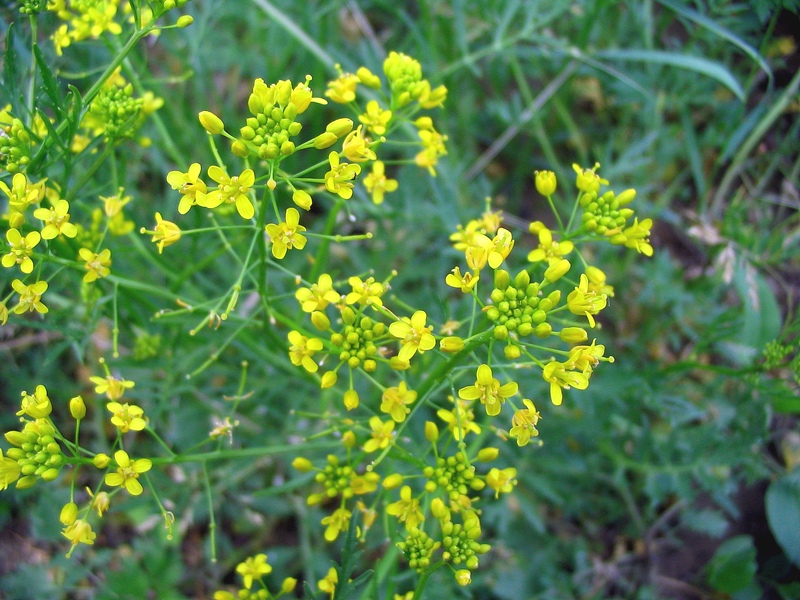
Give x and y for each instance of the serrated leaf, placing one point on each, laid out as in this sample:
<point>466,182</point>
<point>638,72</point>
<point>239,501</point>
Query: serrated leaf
<point>49,81</point>
<point>782,505</point>
<point>733,566</point>
<point>697,64</point>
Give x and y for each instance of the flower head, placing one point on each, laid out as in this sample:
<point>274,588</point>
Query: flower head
<point>377,184</point>
<point>395,401</point>
<point>193,189</point>
<point>97,265</point>
<point>318,296</point>
<point>488,390</point>
<point>36,405</point>
<point>382,434</point>
<point>126,417</point>
<point>113,387</point>
<point>523,423</point>
<point>231,190</point>
<point>367,292</point>
<point>56,221</point>
<point>375,118</point>
<point>302,349</point>
<point>501,480</point>
<point>559,378</point>
<point>339,180</point>
<point>30,296</point>
<point>583,301</point>
<point>253,567</point>
<point>127,473</point>
<point>414,336</point>
<point>406,509</point>
<point>21,248</point>
<point>165,233</point>
<point>287,235</point>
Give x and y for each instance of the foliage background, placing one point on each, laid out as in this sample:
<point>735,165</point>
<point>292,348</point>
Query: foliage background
<point>651,483</point>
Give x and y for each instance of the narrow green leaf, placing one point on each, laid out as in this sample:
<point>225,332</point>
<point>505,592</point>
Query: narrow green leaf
<point>692,63</point>
<point>720,31</point>
<point>10,66</point>
<point>782,504</point>
<point>49,81</point>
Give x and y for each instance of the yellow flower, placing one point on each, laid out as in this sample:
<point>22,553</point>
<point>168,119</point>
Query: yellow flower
<point>382,434</point>
<point>414,335</point>
<point>328,583</point>
<point>165,233</point>
<point>488,390</point>
<point>192,188</point>
<point>112,387</point>
<point>432,149</point>
<point>113,205</point>
<point>56,221</point>
<point>21,248</point>
<point>498,248</point>
<point>548,249</point>
<point>128,471</point>
<point>461,420</point>
<point>9,470</point>
<point>30,296</point>
<point>587,180</point>
<point>406,509</point>
<point>97,265</point>
<point>336,523</point>
<point>339,179</point>
<point>302,349</point>
<point>395,401</point>
<point>37,406</point>
<point>287,235</point>
<point>377,184</point>
<point>79,532</point>
<point>375,118</point>
<point>545,182</point>
<point>586,358</point>
<point>501,480</point>
<point>318,296</point>
<point>126,417</point>
<point>100,502</point>
<point>21,195</point>
<point>356,148</point>
<point>366,293</point>
<point>523,423</point>
<point>465,282</point>
<point>583,301</point>
<point>254,567</point>
<point>597,282</point>
<point>556,374</point>
<point>342,90</point>
<point>232,190</point>
<point>637,236</point>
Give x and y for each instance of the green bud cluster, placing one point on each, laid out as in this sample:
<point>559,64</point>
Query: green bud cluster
<point>453,475</point>
<point>518,307</point>
<point>405,78</point>
<point>459,542</point>
<point>357,340</point>
<point>272,124</point>
<point>36,451</point>
<point>606,214</point>
<point>146,346</point>
<point>15,146</point>
<point>336,478</point>
<point>418,548</point>
<point>32,7</point>
<point>118,110</point>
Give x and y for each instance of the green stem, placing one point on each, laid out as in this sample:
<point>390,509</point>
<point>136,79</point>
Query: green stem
<point>423,579</point>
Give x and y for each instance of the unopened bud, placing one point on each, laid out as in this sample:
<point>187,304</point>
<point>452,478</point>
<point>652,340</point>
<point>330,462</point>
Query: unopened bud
<point>626,197</point>
<point>320,320</point>
<point>184,21</point>
<point>101,460</point>
<point>329,380</point>
<point>545,182</point>
<point>69,513</point>
<point>431,432</point>
<point>393,481</point>
<point>557,271</point>
<point>349,438</point>
<point>451,343</point>
<point>488,454</point>
<point>240,149</point>
<point>463,577</point>
<point>288,585</point>
<point>573,335</point>
<point>351,399</point>
<point>302,199</point>
<point>211,122</point>
<point>302,464</point>
<point>340,127</point>
<point>512,352</point>
<point>77,408</point>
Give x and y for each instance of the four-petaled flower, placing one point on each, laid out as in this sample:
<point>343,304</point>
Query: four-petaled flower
<point>583,301</point>
<point>127,473</point>
<point>488,390</point>
<point>395,401</point>
<point>126,417</point>
<point>336,523</point>
<point>232,190</point>
<point>97,265</point>
<point>111,386</point>
<point>366,293</point>
<point>557,375</point>
<point>302,349</point>
<point>36,405</point>
<point>254,567</point>
<point>465,282</point>
<point>501,480</point>
<point>339,180</point>
<point>382,434</point>
<point>523,423</point>
<point>56,221</point>
<point>377,184</point>
<point>548,249</point>
<point>375,118</point>
<point>165,233</point>
<point>318,296</point>
<point>21,248</point>
<point>406,509</point>
<point>30,296</point>
<point>192,188</point>
<point>461,420</point>
<point>414,336</point>
<point>287,235</point>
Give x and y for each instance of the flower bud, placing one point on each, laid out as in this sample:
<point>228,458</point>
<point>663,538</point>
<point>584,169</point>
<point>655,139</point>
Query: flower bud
<point>101,460</point>
<point>288,585</point>
<point>451,343</point>
<point>543,330</point>
<point>626,197</point>
<point>463,577</point>
<point>351,399</point>
<point>573,335</point>
<point>545,182</point>
<point>557,270</point>
<point>184,21</point>
<point>393,481</point>
<point>240,149</point>
<point>328,380</point>
<point>398,364</point>
<point>439,509</point>
<point>302,464</point>
<point>211,122</point>
<point>324,140</point>
<point>431,432</point>
<point>368,78</point>
<point>349,439</point>
<point>512,352</point>
<point>69,513</point>
<point>488,454</point>
<point>77,408</point>
<point>302,199</point>
<point>339,127</point>
<point>320,320</point>
<point>501,279</point>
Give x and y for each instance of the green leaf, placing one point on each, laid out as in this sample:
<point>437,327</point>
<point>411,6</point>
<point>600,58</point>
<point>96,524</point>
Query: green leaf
<point>49,81</point>
<point>10,67</point>
<point>692,63</point>
<point>783,513</point>
<point>733,566</point>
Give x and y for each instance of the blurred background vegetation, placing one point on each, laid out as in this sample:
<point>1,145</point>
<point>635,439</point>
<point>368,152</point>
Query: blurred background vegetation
<point>673,476</point>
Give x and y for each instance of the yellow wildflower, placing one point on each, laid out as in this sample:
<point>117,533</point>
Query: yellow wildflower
<point>550,250</point>
<point>498,248</point>
<point>366,293</point>
<point>318,296</point>
<point>112,387</point>
<point>460,420</point>
<point>501,480</point>
<point>336,523</point>
<point>342,90</point>
<point>407,509</point>
<point>56,221</point>
<point>488,390</point>
<point>356,148</point>
<point>193,189</point>
<point>165,233</point>
<point>587,180</point>
<point>583,301</point>
<point>37,405</point>
<point>377,184</point>
<point>382,434</point>
<point>339,179</point>
<point>328,583</point>
<point>253,567</point>
<point>231,190</point>
<point>126,417</point>
<point>9,471</point>
<point>287,234</point>
<point>79,532</point>
<point>414,335</point>
<point>21,248</point>
<point>523,423</point>
<point>127,473</point>
<point>556,374</point>
<point>30,296</point>
<point>466,282</point>
<point>302,349</point>
<point>97,265</point>
<point>375,118</point>
<point>395,401</point>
